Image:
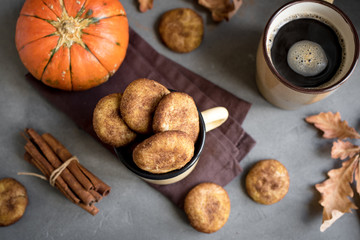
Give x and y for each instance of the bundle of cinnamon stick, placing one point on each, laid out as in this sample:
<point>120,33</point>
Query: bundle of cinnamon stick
<point>77,183</point>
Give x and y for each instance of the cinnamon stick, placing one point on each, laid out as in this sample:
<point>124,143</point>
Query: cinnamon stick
<point>64,155</point>
<point>30,160</point>
<point>100,186</point>
<point>96,195</point>
<point>84,175</point>
<point>47,169</point>
<point>75,182</point>
<point>91,209</point>
<point>78,189</point>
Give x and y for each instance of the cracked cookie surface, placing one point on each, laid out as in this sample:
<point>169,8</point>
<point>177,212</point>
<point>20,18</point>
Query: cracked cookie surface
<point>108,124</point>
<point>13,201</point>
<point>181,29</point>
<point>207,206</point>
<point>267,181</point>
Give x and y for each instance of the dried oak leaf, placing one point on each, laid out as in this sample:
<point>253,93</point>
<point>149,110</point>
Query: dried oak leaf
<point>357,177</point>
<point>335,192</point>
<point>332,126</point>
<point>145,5</point>
<point>343,150</point>
<point>221,9</point>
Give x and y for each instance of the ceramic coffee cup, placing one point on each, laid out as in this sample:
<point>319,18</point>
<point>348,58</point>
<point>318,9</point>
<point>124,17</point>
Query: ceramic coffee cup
<point>209,120</point>
<point>275,84</point>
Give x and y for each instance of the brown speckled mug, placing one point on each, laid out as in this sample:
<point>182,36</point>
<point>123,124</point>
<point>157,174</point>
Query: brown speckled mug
<point>279,90</point>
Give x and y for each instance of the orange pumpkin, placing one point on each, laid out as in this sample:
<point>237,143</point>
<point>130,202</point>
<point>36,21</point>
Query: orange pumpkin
<point>72,44</point>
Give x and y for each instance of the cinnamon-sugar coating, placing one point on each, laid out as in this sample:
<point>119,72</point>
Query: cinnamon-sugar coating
<point>181,29</point>
<point>267,182</point>
<point>108,124</point>
<point>207,206</point>
<point>139,102</point>
<point>13,201</point>
<point>177,111</point>
<point>164,152</point>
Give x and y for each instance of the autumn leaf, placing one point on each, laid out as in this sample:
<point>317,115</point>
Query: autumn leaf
<point>332,126</point>
<point>221,9</point>
<point>357,177</point>
<point>344,150</point>
<point>335,192</point>
<point>145,5</point>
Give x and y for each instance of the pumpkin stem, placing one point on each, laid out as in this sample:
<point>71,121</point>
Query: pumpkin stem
<point>69,30</point>
<point>67,27</point>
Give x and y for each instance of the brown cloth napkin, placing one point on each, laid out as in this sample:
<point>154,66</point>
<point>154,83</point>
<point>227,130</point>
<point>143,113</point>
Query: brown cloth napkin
<point>224,147</point>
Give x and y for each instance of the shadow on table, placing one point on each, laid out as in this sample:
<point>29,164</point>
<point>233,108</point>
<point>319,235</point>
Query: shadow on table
<point>357,203</point>
<point>314,208</point>
<point>243,178</point>
<point>8,19</point>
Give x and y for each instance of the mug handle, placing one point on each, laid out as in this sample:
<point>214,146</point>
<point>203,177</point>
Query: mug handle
<point>214,117</point>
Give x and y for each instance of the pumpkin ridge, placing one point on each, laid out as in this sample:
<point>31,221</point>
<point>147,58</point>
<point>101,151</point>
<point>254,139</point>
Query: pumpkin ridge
<point>111,72</point>
<point>95,20</point>
<point>88,49</point>
<point>81,11</point>
<point>50,35</point>
<point>116,43</point>
<point>101,18</point>
<point>100,15</point>
<point>71,80</point>
<point>92,20</point>
<point>51,9</point>
<point>52,55</point>
<point>106,17</point>
<point>34,16</point>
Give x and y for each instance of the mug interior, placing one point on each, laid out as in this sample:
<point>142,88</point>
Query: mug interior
<point>328,14</point>
<point>125,156</point>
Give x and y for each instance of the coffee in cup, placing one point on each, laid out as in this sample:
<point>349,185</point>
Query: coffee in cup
<point>308,49</point>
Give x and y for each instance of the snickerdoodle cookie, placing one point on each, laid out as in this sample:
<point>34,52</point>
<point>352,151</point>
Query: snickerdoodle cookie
<point>207,206</point>
<point>267,182</point>
<point>177,111</point>
<point>181,29</point>
<point>13,201</point>
<point>138,103</point>
<point>108,124</point>
<point>164,152</point>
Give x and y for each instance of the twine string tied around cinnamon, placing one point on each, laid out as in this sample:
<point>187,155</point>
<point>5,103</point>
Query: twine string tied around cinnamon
<point>55,174</point>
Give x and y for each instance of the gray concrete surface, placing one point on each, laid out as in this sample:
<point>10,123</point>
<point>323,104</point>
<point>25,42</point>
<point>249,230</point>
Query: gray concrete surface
<point>134,210</point>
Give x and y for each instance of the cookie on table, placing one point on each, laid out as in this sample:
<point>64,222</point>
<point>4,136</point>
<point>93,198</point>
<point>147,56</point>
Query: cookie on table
<point>267,181</point>
<point>13,201</point>
<point>207,206</point>
<point>164,152</point>
<point>177,111</point>
<point>139,102</point>
<point>108,124</point>
<point>181,29</point>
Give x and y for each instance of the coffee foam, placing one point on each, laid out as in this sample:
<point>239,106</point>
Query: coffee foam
<point>307,58</point>
<point>272,34</point>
